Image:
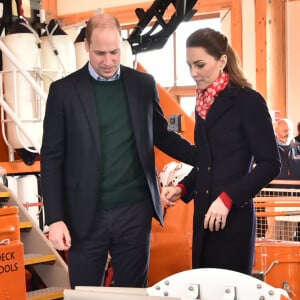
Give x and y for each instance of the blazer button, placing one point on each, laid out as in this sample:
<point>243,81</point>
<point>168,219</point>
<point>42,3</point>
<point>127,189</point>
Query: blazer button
<point>208,168</point>
<point>207,191</point>
<point>198,169</point>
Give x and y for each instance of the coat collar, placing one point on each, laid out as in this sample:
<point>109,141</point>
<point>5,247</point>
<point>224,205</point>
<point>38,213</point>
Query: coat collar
<point>222,103</point>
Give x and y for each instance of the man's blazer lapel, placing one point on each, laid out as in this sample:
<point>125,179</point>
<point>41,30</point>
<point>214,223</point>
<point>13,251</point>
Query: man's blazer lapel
<point>87,99</point>
<point>136,104</point>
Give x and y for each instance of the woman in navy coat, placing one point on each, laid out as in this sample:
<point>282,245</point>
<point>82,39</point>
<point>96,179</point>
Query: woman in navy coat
<point>237,156</point>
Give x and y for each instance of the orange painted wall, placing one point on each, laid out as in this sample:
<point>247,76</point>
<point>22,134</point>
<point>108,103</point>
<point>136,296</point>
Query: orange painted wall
<point>171,244</point>
<point>170,106</point>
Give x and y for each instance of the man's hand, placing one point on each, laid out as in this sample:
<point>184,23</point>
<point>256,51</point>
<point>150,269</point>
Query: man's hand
<point>59,236</point>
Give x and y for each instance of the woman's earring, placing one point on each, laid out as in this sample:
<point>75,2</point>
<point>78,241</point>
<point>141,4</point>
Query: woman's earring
<point>221,71</point>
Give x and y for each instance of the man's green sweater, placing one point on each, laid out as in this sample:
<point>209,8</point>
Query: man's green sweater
<point>122,178</point>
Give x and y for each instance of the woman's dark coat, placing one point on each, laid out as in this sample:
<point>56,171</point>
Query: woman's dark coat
<point>237,132</point>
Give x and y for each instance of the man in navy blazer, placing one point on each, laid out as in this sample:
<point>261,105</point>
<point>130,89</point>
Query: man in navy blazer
<point>99,180</point>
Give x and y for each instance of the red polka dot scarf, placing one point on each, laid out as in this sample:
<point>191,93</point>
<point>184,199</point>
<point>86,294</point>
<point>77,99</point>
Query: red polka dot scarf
<point>205,98</point>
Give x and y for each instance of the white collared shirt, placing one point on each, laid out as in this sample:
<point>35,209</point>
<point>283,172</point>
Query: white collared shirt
<point>96,76</point>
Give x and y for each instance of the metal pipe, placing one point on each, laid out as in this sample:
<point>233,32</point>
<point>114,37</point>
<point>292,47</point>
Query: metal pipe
<point>15,118</point>
<point>23,71</point>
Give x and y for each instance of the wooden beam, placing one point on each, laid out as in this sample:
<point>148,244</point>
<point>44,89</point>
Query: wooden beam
<point>271,53</point>
<point>261,41</point>
<point>276,50</point>
<point>204,6</point>
<point>236,28</point>
<point>126,14</point>
<point>50,7</point>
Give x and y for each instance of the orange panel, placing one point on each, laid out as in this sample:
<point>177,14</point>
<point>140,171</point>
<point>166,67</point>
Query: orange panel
<point>171,244</point>
<point>170,106</point>
<point>12,271</point>
<point>9,224</point>
<point>280,261</point>
<point>18,166</point>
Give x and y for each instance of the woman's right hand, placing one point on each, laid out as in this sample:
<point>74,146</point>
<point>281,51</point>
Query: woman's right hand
<point>170,194</point>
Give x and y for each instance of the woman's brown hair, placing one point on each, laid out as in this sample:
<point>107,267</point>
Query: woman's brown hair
<point>216,44</point>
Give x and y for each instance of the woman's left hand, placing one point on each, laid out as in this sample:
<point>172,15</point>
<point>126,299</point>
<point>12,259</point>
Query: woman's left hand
<point>215,218</point>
